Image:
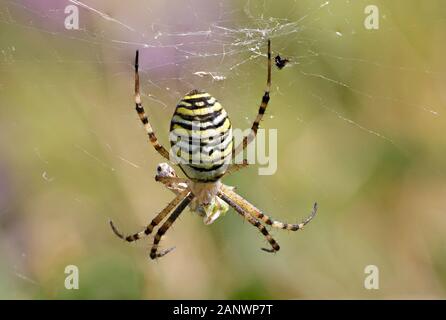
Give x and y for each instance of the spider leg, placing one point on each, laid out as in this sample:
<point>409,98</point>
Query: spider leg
<point>236,167</point>
<point>255,126</point>
<point>142,115</point>
<point>163,229</point>
<point>256,223</point>
<point>148,230</point>
<point>256,213</point>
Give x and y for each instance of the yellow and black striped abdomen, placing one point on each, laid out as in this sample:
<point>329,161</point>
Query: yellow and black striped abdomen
<point>201,137</point>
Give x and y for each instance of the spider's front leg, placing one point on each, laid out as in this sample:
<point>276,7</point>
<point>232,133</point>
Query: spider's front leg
<point>255,126</point>
<point>143,117</point>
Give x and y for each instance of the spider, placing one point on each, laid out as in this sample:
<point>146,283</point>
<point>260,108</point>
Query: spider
<point>201,114</point>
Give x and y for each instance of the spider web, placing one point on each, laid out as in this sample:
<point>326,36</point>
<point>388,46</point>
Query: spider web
<point>198,44</point>
<point>220,46</point>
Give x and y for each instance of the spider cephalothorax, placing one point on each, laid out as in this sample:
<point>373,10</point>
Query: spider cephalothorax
<point>201,144</point>
<point>210,208</point>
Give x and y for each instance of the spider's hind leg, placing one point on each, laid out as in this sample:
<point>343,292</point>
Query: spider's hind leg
<point>256,213</point>
<point>149,228</point>
<point>166,225</point>
<point>143,117</point>
<point>256,223</point>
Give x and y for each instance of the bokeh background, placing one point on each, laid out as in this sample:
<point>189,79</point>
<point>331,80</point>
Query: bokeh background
<point>361,129</point>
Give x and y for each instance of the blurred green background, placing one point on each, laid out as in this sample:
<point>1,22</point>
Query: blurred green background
<point>361,129</point>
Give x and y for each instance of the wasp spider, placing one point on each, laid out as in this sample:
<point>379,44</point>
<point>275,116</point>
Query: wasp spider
<point>200,129</point>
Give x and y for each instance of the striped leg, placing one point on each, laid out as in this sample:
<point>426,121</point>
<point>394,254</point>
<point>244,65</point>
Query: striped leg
<point>142,115</point>
<point>256,223</point>
<point>236,167</point>
<point>255,126</point>
<point>163,229</point>
<point>252,210</point>
<point>148,230</point>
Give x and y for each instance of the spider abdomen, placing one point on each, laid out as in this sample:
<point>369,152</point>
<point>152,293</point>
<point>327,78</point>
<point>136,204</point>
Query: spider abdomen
<point>201,137</point>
